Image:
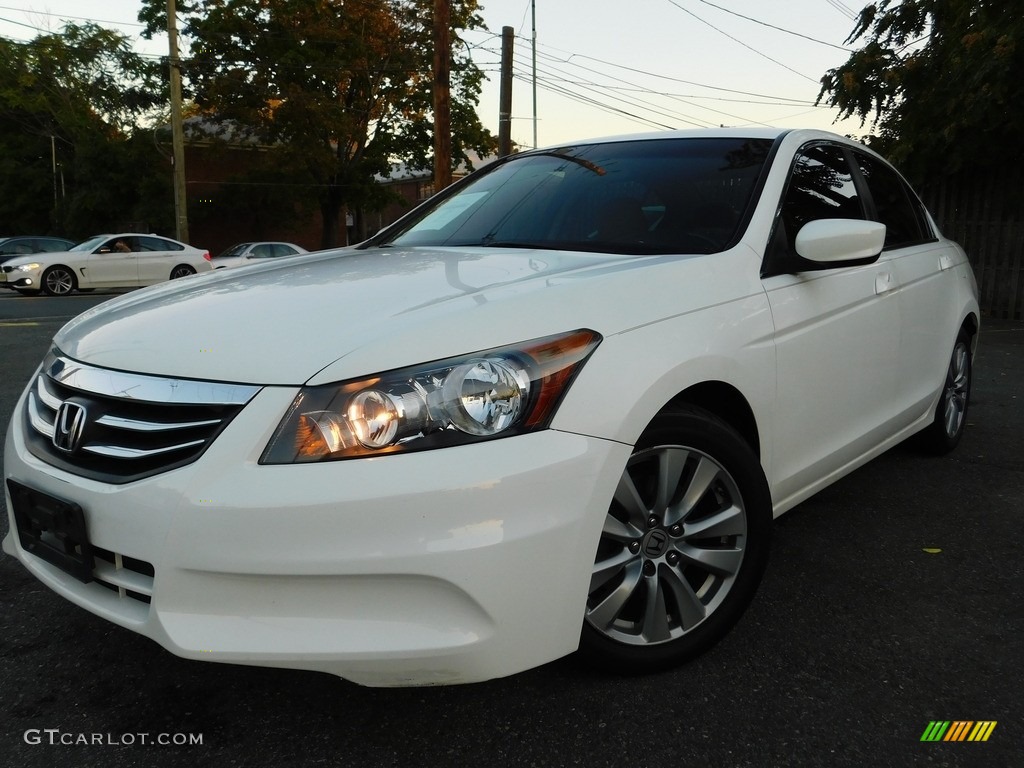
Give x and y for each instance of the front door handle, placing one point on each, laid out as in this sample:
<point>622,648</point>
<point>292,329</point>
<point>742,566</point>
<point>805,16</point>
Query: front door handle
<point>883,283</point>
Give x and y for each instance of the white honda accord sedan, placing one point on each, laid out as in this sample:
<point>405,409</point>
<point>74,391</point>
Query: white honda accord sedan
<point>554,408</point>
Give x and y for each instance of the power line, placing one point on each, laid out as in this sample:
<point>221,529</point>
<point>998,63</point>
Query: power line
<point>687,118</point>
<point>21,24</point>
<point>772,26</point>
<point>600,105</point>
<point>740,42</point>
<point>64,17</point>
<point>599,91</point>
<point>654,111</point>
<point>843,9</point>
<point>660,76</point>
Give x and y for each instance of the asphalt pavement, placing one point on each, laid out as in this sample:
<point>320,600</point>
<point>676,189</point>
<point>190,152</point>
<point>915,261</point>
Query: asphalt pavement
<point>893,600</point>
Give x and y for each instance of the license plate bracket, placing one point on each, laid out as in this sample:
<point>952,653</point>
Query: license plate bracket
<point>52,529</point>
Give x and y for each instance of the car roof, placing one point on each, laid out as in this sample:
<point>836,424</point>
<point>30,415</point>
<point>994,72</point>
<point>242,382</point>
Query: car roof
<point>754,132</point>
<point>688,133</point>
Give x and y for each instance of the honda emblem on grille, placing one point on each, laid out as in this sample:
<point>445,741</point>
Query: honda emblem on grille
<point>68,426</point>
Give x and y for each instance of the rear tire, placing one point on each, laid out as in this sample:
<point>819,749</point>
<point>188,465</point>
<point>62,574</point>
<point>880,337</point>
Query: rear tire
<point>683,548</point>
<point>950,419</point>
<point>182,270</point>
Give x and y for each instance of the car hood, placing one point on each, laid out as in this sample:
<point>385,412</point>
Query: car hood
<point>30,258</point>
<point>349,313</point>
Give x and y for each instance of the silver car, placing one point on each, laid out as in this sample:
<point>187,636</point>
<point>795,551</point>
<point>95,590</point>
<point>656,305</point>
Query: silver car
<point>248,253</point>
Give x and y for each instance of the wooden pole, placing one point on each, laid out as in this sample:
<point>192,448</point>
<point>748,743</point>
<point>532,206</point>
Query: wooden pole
<point>177,130</point>
<point>442,95</point>
<point>505,99</point>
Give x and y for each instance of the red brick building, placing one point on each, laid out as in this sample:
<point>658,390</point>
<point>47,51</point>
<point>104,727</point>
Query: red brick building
<point>236,194</point>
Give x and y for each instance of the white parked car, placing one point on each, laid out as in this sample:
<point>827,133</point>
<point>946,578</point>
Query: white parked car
<point>126,260</point>
<point>554,408</point>
<point>247,253</point>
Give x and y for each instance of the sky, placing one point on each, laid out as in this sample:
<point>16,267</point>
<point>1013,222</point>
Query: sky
<point>608,67</point>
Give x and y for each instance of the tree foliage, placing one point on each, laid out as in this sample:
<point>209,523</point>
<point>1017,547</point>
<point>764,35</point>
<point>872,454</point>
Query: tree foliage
<point>339,88</point>
<point>942,81</point>
<point>69,105</point>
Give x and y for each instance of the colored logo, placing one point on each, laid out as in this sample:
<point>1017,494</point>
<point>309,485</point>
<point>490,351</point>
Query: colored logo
<point>958,730</point>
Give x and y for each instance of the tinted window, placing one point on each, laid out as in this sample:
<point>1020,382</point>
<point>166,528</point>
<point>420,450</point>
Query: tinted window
<point>120,245</point>
<point>49,244</point>
<point>821,187</point>
<point>17,247</point>
<point>661,196</point>
<point>87,246</point>
<point>235,250</point>
<point>896,205</point>
<point>157,244</point>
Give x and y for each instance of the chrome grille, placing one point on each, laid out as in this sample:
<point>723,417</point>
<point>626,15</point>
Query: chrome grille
<point>120,427</point>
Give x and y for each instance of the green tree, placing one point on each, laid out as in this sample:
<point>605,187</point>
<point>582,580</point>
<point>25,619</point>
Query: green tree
<point>942,81</point>
<point>339,88</point>
<point>69,104</point>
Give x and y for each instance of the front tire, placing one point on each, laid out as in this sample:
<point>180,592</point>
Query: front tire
<point>59,281</point>
<point>950,419</point>
<point>684,545</point>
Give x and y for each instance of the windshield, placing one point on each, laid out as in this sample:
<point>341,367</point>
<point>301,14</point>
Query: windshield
<point>88,245</point>
<point>654,196</point>
<point>234,250</point>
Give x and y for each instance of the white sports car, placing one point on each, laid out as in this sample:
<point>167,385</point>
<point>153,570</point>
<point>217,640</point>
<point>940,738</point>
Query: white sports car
<point>554,408</point>
<point>248,253</point>
<point>126,260</point>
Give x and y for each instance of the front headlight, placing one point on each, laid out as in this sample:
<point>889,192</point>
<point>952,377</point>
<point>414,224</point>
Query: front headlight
<point>494,393</point>
<point>26,267</point>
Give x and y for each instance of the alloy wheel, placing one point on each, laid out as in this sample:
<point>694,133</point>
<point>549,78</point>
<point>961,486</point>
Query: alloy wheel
<point>671,548</point>
<point>956,390</point>
<point>58,281</point>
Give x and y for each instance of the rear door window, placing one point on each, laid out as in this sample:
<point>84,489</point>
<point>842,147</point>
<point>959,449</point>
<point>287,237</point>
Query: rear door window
<point>896,205</point>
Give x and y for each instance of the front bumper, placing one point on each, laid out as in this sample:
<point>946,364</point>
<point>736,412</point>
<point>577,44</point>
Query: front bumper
<point>20,280</point>
<point>445,566</point>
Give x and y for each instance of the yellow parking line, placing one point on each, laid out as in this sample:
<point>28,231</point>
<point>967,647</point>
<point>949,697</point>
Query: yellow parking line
<point>17,325</point>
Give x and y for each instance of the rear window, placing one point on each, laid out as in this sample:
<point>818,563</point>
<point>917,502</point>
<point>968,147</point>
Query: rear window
<point>657,196</point>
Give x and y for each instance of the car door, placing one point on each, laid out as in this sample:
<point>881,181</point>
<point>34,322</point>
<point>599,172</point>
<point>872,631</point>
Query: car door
<point>924,268</point>
<point>836,333</point>
<point>157,257</point>
<point>113,264</point>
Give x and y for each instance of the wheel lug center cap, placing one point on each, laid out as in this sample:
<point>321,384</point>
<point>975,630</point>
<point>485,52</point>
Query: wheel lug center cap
<point>655,543</point>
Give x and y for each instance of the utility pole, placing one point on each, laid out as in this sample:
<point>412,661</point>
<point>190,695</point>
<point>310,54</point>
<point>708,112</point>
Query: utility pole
<point>177,131</point>
<point>505,98</point>
<point>442,95</point>
<point>53,157</point>
<point>533,22</point>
